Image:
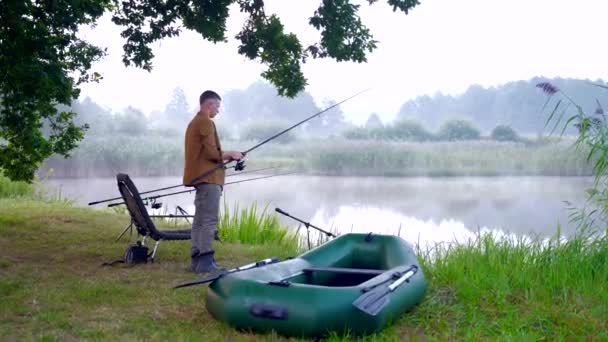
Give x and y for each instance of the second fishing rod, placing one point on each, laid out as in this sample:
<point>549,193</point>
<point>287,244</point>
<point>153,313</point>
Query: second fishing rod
<point>244,153</point>
<point>150,198</point>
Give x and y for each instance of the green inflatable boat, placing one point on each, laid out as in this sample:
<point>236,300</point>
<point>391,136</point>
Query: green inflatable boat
<point>356,283</point>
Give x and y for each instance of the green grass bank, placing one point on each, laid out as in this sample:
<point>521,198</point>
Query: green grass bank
<point>53,287</point>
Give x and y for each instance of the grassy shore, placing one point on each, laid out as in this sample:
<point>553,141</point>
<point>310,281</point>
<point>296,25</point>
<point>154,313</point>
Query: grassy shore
<point>53,285</point>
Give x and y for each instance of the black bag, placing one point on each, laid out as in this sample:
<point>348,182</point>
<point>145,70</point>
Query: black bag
<point>135,254</point>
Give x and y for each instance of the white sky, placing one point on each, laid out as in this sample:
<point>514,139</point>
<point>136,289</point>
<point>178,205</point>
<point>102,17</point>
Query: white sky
<point>442,45</point>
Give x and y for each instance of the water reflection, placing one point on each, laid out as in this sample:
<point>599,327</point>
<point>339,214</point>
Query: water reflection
<point>427,209</point>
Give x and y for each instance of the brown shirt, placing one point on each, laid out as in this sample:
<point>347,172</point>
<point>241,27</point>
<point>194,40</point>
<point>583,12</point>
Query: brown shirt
<point>202,152</point>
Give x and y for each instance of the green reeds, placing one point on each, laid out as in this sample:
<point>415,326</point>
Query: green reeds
<point>31,191</point>
<point>162,157</point>
<point>10,189</point>
<point>248,225</point>
<point>502,285</point>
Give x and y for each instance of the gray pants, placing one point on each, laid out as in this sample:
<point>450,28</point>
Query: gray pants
<point>206,217</point>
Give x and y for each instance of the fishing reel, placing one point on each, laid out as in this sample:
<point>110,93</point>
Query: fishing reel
<point>153,203</point>
<point>240,165</point>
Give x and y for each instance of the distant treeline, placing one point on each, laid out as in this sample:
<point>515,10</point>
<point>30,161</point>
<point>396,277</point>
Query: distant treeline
<point>450,130</point>
<point>257,112</point>
<point>246,114</point>
<point>506,118</point>
<point>516,104</point>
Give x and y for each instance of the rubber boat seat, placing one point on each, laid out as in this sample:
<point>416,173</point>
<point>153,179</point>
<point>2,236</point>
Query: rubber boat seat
<point>362,271</point>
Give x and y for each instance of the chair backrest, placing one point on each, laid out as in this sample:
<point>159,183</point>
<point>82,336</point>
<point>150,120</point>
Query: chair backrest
<point>136,207</point>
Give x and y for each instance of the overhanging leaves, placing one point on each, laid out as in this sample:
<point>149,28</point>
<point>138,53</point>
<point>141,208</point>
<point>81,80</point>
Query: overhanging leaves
<point>43,62</point>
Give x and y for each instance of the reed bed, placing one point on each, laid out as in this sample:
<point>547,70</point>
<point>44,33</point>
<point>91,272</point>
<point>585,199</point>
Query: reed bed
<point>164,157</point>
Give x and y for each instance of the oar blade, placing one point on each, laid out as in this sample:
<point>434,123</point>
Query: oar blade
<point>375,300</point>
<point>375,307</point>
<point>370,300</point>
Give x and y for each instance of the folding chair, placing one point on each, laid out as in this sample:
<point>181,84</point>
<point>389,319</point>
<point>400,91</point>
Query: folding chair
<point>142,220</point>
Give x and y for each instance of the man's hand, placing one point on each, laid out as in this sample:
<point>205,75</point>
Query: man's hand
<point>233,155</point>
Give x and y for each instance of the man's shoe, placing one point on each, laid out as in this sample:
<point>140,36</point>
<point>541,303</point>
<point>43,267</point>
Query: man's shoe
<point>204,263</point>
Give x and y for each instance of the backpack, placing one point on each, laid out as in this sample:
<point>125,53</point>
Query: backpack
<point>136,253</point>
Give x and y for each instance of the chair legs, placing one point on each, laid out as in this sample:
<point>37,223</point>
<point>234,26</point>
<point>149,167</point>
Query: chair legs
<point>154,251</point>
<point>130,226</point>
<point>143,242</point>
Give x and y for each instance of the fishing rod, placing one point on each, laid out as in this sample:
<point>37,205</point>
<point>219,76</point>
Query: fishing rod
<point>176,186</point>
<point>244,153</point>
<point>303,121</point>
<point>251,171</point>
<point>153,198</point>
<point>223,165</point>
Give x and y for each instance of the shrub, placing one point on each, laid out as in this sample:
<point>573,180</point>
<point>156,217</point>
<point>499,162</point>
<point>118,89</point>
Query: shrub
<point>504,133</point>
<point>261,131</point>
<point>357,133</point>
<point>458,129</point>
<point>362,133</point>
<point>407,130</point>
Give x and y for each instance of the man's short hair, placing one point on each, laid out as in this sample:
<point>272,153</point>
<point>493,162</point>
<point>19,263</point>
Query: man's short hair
<point>208,94</point>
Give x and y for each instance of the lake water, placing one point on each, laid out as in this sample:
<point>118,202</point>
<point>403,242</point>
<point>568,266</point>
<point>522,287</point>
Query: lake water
<point>425,210</point>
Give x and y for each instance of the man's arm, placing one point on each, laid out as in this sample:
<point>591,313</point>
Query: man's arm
<point>232,155</point>
<point>209,151</point>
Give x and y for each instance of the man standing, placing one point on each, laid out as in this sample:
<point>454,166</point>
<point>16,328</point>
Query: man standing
<point>203,153</point>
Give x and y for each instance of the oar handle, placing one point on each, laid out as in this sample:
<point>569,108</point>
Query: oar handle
<point>255,264</point>
<point>406,276</point>
<point>219,275</point>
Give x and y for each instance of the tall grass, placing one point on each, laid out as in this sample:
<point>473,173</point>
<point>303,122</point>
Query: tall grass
<point>164,156</point>
<point>475,158</point>
<point>553,267</point>
<point>32,191</point>
<point>10,189</point>
<point>250,226</point>
<point>247,225</point>
<point>518,288</point>
<point>592,142</point>
<point>106,156</point>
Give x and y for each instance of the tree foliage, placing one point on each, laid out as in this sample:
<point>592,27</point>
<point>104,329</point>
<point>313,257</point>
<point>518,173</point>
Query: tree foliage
<point>504,133</point>
<point>407,130</point>
<point>43,61</point>
<point>373,121</point>
<point>458,129</point>
<point>262,130</point>
<point>177,110</point>
<point>400,130</point>
<point>259,102</point>
<point>516,104</point>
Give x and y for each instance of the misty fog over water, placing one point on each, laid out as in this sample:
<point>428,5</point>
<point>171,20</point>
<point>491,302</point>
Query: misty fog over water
<point>418,209</point>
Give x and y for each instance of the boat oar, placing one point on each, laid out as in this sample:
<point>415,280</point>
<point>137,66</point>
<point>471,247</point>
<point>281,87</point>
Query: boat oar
<point>374,301</point>
<point>221,274</point>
